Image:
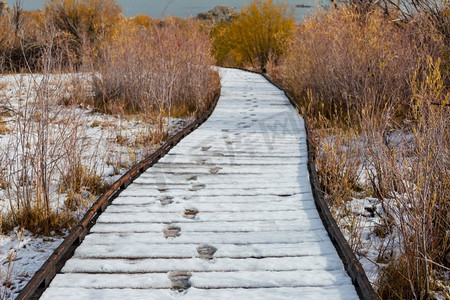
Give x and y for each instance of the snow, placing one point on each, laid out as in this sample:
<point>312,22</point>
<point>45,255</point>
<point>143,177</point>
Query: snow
<point>204,280</point>
<point>239,184</point>
<point>78,265</point>
<point>141,251</point>
<point>235,238</point>
<point>21,255</point>
<point>297,216</point>
<point>212,207</point>
<point>96,143</point>
<point>213,226</point>
<point>367,214</point>
<point>344,292</point>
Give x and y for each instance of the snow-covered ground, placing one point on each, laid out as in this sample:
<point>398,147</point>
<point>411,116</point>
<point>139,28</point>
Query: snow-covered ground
<point>373,227</point>
<point>21,255</point>
<point>227,213</point>
<point>358,221</point>
<point>106,146</point>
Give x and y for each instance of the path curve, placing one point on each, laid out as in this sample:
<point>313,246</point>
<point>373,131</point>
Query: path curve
<point>228,213</point>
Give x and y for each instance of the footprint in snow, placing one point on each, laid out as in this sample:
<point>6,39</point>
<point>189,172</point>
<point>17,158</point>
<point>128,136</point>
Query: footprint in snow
<point>192,178</point>
<point>190,213</point>
<point>180,281</point>
<point>166,200</point>
<point>197,187</point>
<point>171,231</point>
<point>201,161</point>
<point>206,251</point>
<point>215,170</point>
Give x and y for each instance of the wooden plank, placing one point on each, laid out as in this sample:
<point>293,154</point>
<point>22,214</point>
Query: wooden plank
<point>40,281</point>
<point>127,266</point>
<point>228,232</point>
<point>352,264</point>
<point>305,293</point>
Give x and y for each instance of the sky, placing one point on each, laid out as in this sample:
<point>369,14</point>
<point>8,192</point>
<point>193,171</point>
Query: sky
<point>182,8</point>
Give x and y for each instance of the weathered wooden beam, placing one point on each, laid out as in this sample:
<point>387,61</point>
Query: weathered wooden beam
<point>42,278</point>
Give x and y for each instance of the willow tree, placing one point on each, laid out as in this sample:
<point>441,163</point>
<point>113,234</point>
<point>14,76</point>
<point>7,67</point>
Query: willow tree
<point>260,32</point>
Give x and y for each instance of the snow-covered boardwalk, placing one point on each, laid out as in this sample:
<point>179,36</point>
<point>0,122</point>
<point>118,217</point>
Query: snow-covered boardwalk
<point>226,214</point>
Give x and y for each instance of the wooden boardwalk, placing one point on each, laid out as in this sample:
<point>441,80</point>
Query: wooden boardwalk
<point>228,213</point>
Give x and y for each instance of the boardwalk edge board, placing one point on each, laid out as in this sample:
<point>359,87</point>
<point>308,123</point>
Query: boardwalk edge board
<point>42,278</point>
<point>351,263</point>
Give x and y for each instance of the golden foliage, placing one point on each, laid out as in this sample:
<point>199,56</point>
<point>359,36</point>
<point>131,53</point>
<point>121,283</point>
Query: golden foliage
<point>3,128</point>
<point>85,23</point>
<point>20,40</point>
<point>5,33</point>
<point>259,33</point>
<point>144,21</point>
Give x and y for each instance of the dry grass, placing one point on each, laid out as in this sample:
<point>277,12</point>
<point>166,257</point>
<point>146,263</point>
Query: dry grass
<point>162,70</point>
<point>6,271</point>
<point>144,74</point>
<point>79,180</point>
<point>42,131</point>
<point>3,112</point>
<point>34,220</point>
<point>339,158</point>
<point>3,126</point>
<point>413,181</point>
<point>357,63</point>
<point>376,95</point>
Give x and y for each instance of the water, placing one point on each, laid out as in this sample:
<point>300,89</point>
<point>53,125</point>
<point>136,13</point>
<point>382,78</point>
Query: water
<point>182,8</point>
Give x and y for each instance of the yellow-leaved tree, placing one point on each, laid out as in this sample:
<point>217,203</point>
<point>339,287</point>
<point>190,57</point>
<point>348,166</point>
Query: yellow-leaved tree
<point>259,33</point>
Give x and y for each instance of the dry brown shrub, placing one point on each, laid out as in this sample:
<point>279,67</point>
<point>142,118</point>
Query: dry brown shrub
<point>151,68</point>
<point>34,220</point>
<point>21,44</point>
<point>83,25</point>
<point>76,30</point>
<point>414,186</point>
<point>338,159</point>
<point>376,94</point>
<point>3,125</point>
<point>351,62</point>
<point>165,68</point>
